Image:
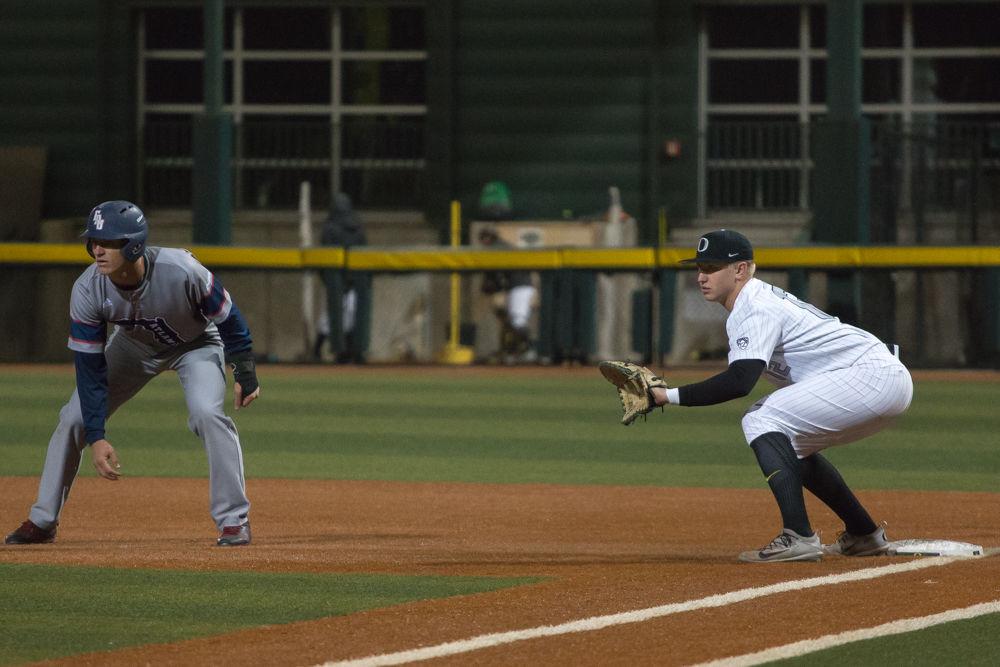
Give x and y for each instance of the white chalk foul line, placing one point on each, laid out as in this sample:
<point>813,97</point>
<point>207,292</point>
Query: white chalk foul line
<point>635,616</point>
<point>829,641</point>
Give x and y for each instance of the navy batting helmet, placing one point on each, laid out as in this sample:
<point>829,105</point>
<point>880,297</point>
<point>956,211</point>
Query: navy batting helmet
<point>115,220</point>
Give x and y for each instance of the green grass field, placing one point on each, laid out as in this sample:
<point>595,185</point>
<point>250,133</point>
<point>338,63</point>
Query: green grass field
<point>507,429</point>
<point>971,643</point>
<point>138,606</point>
<point>380,425</point>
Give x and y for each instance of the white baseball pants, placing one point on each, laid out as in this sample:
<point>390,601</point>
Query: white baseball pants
<point>834,408</point>
<point>519,301</point>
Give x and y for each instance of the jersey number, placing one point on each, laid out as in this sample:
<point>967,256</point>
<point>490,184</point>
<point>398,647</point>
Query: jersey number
<point>795,301</point>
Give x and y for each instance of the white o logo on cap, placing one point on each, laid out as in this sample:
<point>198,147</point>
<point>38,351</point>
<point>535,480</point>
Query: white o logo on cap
<point>702,244</point>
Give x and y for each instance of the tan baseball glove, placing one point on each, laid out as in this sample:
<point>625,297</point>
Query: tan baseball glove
<point>634,383</point>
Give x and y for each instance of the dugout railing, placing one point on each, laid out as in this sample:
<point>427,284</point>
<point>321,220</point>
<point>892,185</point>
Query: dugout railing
<point>566,318</point>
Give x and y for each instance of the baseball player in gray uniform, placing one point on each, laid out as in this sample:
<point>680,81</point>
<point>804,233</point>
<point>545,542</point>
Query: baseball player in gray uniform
<point>169,313</point>
<point>836,384</point>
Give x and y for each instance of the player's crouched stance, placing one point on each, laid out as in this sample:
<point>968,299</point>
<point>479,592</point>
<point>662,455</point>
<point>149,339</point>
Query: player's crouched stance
<point>169,313</point>
<point>837,384</point>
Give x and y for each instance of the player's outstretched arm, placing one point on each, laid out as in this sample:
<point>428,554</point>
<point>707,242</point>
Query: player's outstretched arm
<point>640,391</point>
<point>105,460</point>
<point>736,381</point>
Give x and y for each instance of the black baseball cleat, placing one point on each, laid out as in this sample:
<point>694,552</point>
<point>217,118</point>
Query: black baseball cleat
<point>29,533</point>
<point>234,536</point>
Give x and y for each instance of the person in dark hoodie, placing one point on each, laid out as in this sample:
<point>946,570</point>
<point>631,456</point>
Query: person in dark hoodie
<point>343,228</point>
<point>517,294</point>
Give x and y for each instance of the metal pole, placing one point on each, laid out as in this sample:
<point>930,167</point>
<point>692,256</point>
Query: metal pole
<point>306,241</point>
<point>456,279</point>
<point>214,25</point>
<point>454,352</point>
<point>212,176</point>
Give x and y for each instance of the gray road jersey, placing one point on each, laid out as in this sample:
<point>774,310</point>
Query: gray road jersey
<point>177,303</point>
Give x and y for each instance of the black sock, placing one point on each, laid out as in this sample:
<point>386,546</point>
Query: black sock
<point>781,469</point>
<point>825,482</point>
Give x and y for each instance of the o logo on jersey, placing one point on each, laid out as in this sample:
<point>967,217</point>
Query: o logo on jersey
<point>742,343</point>
<point>702,244</point>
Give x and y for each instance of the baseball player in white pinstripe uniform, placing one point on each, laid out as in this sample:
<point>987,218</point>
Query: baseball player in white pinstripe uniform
<point>836,384</point>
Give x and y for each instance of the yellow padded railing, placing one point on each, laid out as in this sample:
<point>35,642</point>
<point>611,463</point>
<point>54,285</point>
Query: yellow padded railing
<point>472,259</point>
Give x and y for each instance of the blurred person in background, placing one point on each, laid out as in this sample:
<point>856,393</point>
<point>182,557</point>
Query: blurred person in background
<point>513,294</point>
<point>342,228</point>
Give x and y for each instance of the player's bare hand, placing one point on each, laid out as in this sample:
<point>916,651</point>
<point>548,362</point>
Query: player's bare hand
<point>245,377</point>
<point>105,460</point>
<point>242,401</point>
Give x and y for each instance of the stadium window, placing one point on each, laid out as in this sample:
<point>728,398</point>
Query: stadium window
<point>882,26</point>
<point>173,81</point>
<point>881,80</point>
<point>382,138</point>
<point>817,81</point>
<point>817,26</point>
<point>180,81</point>
<point>286,82</point>
<point>747,27</point>
<point>173,28</point>
<point>957,80</point>
<point>286,28</point>
<point>750,81</point>
<point>929,86</point>
<point>334,92</point>
<point>382,29</point>
<point>269,136</point>
<point>383,82</point>
<point>959,24</point>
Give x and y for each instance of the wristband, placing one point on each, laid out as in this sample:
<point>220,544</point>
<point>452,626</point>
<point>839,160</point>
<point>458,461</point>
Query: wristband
<point>244,371</point>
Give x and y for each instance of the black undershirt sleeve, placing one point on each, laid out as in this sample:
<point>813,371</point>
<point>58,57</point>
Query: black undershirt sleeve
<point>734,382</point>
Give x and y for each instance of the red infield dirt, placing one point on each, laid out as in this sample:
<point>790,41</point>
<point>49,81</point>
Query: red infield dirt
<point>603,550</point>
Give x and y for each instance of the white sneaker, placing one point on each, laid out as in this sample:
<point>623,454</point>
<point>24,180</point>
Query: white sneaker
<point>788,546</point>
<point>872,544</point>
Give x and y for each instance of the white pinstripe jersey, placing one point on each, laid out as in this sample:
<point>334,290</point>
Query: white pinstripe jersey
<point>794,338</point>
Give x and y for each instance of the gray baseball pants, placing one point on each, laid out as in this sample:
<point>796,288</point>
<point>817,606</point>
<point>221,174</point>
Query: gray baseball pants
<point>201,370</point>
